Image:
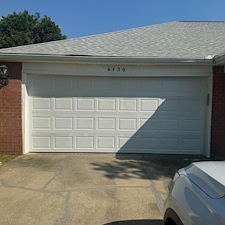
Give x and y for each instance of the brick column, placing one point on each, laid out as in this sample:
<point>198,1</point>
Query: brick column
<point>218,112</point>
<point>11,111</point>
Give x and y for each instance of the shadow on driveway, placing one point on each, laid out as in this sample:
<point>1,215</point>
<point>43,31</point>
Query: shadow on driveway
<point>144,166</point>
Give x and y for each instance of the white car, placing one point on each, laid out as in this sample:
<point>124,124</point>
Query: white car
<point>197,195</point>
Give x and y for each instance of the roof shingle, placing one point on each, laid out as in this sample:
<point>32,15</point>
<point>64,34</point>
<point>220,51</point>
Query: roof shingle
<point>193,40</point>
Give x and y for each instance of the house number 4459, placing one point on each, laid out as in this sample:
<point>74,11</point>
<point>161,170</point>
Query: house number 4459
<point>116,69</point>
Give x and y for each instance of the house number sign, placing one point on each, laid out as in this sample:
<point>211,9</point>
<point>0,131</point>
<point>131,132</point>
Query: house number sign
<point>116,69</point>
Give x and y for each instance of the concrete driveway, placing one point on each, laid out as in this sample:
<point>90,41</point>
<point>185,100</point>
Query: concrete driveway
<point>86,189</point>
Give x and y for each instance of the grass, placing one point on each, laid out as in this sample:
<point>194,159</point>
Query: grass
<point>5,158</point>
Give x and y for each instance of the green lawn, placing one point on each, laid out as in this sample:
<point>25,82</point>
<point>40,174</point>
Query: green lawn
<point>5,158</point>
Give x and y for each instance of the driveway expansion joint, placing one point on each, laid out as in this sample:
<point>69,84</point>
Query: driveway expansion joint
<point>67,208</point>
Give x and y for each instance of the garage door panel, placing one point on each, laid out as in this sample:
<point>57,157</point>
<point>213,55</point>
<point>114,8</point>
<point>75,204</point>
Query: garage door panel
<point>106,105</point>
<point>145,143</point>
<point>191,144</point>
<point>63,142</point>
<point>41,104</point>
<point>191,125</point>
<point>63,104</point>
<point>149,105</point>
<point>97,114</point>
<point>127,124</point>
<point>197,88</point>
<point>192,105</point>
<point>41,142</point>
<point>171,105</point>
<point>64,83</point>
<point>170,86</point>
<point>41,123</point>
<point>63,123</point>
<point>105,84</point>
<point>128,105</point>
<point>149,85</point>
<point>85,123</point>
<point>167,144</point>
<point>85,104</point>
<point>104,123</point>
<point>149,124</point>
<point>170,124</point>
<point>83,142</point>
<point>38,85</point>
<point>127,143</point>
<point>105,142</point>
<point>85,85</point>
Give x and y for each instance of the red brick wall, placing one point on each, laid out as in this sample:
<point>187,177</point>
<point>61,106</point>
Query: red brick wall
<point>11,111</point>
<point>218,112</point>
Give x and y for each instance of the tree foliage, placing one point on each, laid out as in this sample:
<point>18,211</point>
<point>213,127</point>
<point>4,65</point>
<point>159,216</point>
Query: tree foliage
<point>23,29</point>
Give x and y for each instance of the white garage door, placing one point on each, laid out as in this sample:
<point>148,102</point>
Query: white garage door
<point>101,114</point>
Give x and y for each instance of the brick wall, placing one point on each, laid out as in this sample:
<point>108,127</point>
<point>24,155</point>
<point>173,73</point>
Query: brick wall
<point>218,112</point>
<point>11,111</point>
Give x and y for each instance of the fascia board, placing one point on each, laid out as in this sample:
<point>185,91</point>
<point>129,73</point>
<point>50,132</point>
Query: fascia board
<point>101,60</point>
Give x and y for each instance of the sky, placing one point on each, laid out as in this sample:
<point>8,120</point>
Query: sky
<point>79,18</point>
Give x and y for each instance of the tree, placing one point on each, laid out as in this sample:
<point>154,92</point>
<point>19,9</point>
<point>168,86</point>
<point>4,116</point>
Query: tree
<point>21,28</point>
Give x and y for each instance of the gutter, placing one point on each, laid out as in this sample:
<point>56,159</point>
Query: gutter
<point>219,60</point>
<point>100,60</point>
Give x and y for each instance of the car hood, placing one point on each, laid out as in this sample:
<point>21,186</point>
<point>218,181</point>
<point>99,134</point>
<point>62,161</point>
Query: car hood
<point>209,176</point>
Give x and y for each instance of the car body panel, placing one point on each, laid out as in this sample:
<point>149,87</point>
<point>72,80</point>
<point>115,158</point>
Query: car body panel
<point>208,176</point>
<point>196,197</point>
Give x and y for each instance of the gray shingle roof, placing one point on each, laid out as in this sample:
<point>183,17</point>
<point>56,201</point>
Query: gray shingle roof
<point>169,40</point>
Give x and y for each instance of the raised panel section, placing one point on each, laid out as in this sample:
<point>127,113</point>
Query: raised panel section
<point>63,83</point>
<point>170,125</point>
<point>149,85</point>
<point>85,123</point>
<point>169,144</point>
<point>170,85</point>
<point>191,88</point>
<point>41,123</point>
<point>127,143</point>
<point>106,123</point>
<point>191,144</point>
<point>85,84</point>
<point>64,123</point>
<point>191,105</point>
<point>128,105</point>
<point>127,124</point>
<point>84,142</point>
<point>41,103</point>
<point>191,125</point>
<point>106,84</point>
<point>170,105</point>
<point>132,85</point>
<point>64,142</point>
<point>63,104</point>
<point>41,142</point>
<point>40,84</point>
<point>148,105</point>
<point>106,142</point>
<point>106,104</point>
<point>85,104</point>
<point>147,143</point>
<point>149,124</point>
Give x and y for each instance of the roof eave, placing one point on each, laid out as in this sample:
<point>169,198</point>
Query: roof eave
<point>100,59</point>
<point>219,60</point>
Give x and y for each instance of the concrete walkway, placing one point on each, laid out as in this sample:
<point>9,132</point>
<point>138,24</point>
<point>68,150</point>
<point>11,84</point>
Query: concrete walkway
<point>86,189</point>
